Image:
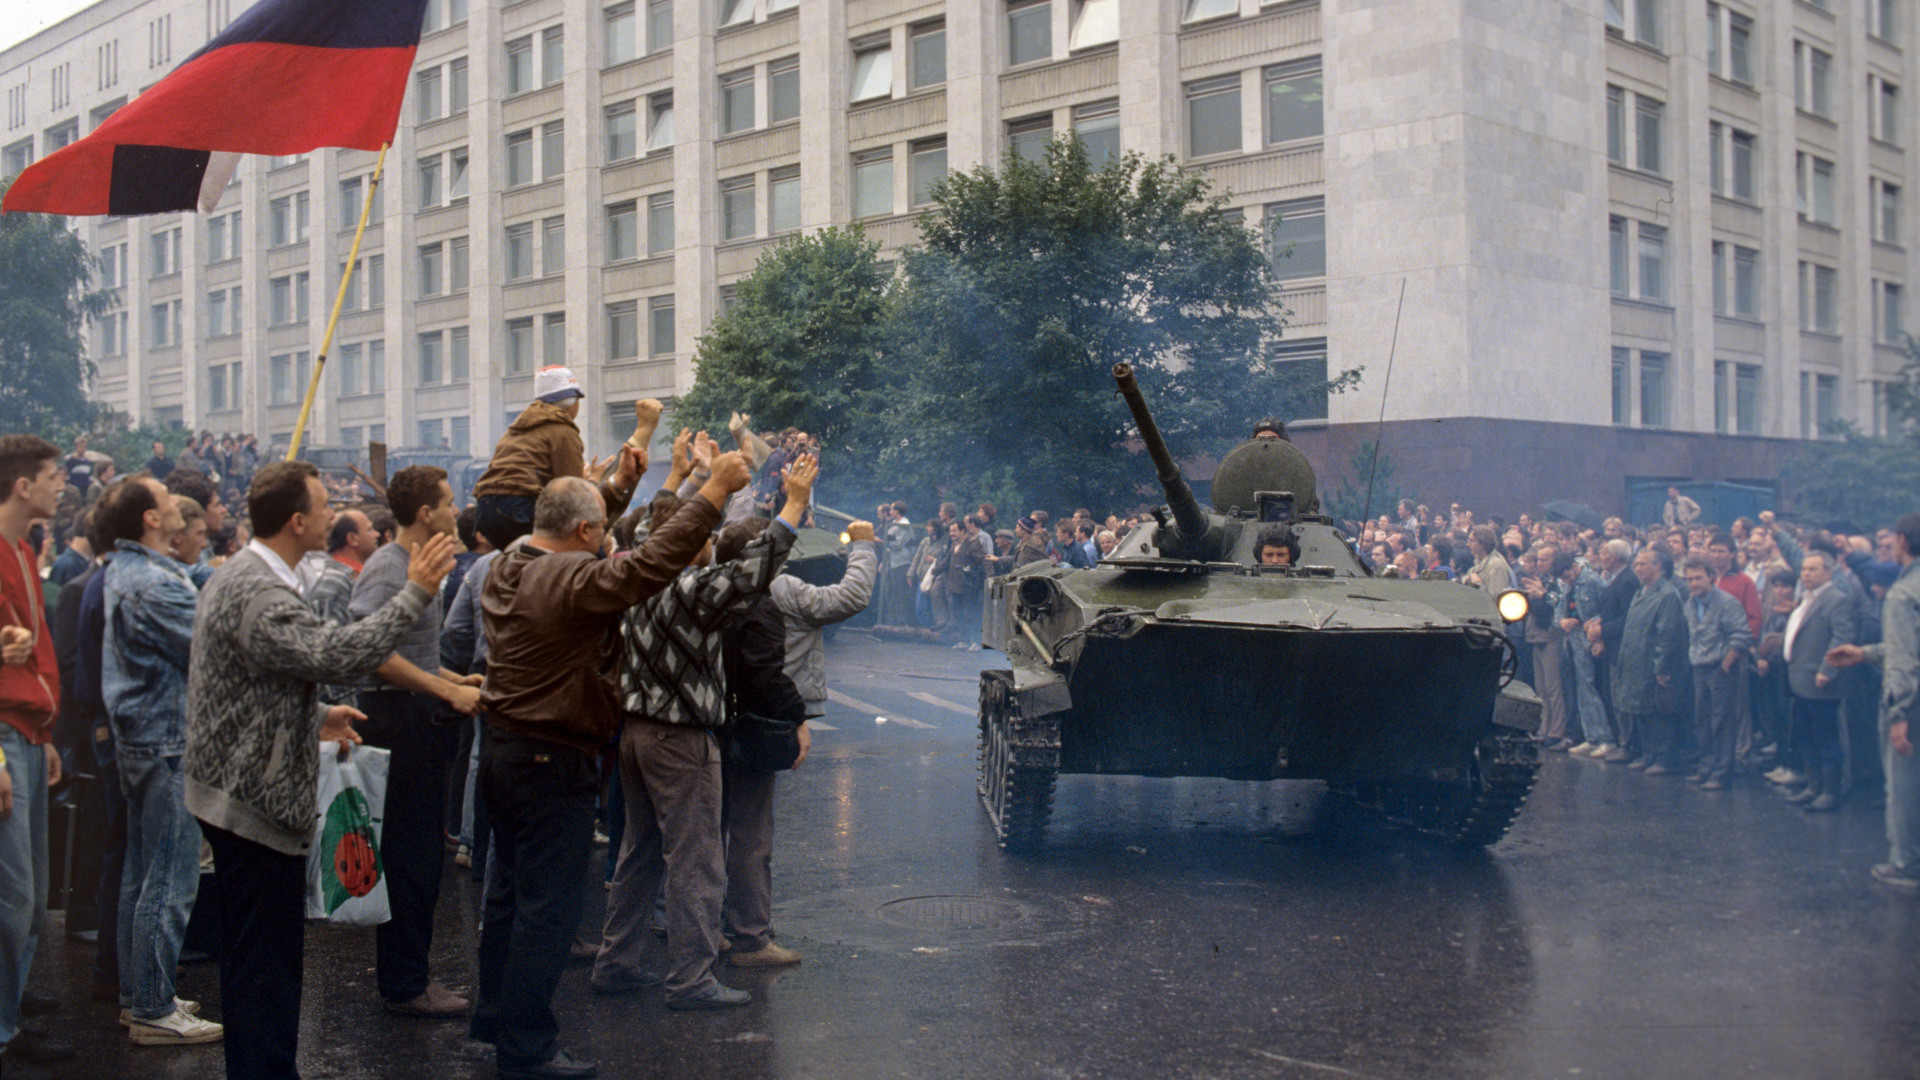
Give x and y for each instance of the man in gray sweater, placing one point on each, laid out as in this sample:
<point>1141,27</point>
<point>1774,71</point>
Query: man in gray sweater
<point>255,722</point>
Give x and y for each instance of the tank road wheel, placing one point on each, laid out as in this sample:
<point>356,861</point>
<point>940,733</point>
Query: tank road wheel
<point>1476,813</point>
<point>1019,758</point>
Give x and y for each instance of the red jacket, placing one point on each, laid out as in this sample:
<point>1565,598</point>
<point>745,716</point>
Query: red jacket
<point>1741,588</point>
<point>29,693</point>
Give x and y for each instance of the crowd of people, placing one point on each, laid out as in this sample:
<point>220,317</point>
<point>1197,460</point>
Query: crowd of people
<point>560,659</point>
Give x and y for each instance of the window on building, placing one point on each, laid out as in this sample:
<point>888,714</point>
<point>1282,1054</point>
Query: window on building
<point>735,12</point>
<point>1095,23</point>
<point>1887,212</point>
<point>1297,238</point>
<point>736,208</point>
<point>1883,19</point>
<point>1893,323</point>
<point>553,150</point>
<point>430,433</point>
<point>1722,396</point>
<point>873,182</point>
<point>1210,9</point>
<point>622,137</point>
<point>432,357</point>
<point>1816,188</point>
<point>520,355</point>
<point>460,434</point>
<point>926,167</point>
<point>660,326</point>
<point>729,299</point>
<point>1029,32</point>
<point>623,330</point>
<point>1716,157</point>
<point>1213,116</point>
<point>348,381</point>
<point>553,332</point>
<point>1812,79</point>
<point>1097,126</point>
<point>783,90</point>
<point>1295,103</point>
<point>872,70</point>
<point>280,379</point>
<point>1746,399</point>
<point>16,157</point>
<point>1622,386</point>
<point>1740,145</point>
<point>427,94</point>
<point>1653,389</point>
<point>1889,101</point>
<point>1826,403</point>
<point>1653,262</point>
<point>456,86</point>
<point>1650,117</point>
<point>520,251</point>
<point>164,249</point>
<point>1616,125</point>
<point>287,299</point>
<point>1716,28</point>
<point>660,121</point>
<point>927,55</point>
<point>223,387</point>
<point>1819,288</point>
<point>623,239</point>
<point>1739,48</point>
<point>1746,282</point>
<point>553,245</point>
<point>660,223</point>
<point>376,381</point>
<point>520,65</point>
<point>163,323</point>
<point>619,34</point>
<point>216,313</point>
<point>1617,257</point>
<point>457,264</point>
<point>433,269</point>
<point>659,25</point>
<point>1646,22</point>
<point>429,182</point>
<point>113,261</point>
<point>288,218</point>
<point>457,174</point>
<point>520,158</point>
<point>1720,281</point>
<point>1027,139</point>
<point>736,102</point>
<point>783,199</point>
<point>553,55</point>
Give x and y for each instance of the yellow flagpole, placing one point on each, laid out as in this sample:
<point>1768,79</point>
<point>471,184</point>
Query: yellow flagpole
<point>339,301</point>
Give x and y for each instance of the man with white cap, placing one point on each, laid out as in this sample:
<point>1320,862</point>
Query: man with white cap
<point>542,444</point>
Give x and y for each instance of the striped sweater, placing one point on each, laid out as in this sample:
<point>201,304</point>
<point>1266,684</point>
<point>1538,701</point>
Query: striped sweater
<point>253,707</point>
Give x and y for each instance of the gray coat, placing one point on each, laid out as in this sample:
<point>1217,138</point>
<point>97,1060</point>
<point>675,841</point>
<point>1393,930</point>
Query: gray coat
<point>1716,625</point>
<point>1898,653</point>
<point>1655,644</point>
<point>807,608</point>
<point>1830,620</point>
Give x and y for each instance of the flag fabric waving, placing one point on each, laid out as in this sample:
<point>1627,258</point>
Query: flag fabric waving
<point>287,77</point>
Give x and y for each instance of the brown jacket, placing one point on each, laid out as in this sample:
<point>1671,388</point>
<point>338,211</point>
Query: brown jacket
<point>542,444</point>
<point>552,619</point>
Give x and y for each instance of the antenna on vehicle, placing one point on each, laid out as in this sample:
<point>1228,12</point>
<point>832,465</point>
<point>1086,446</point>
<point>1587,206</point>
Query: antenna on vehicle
<point>1373,461</point>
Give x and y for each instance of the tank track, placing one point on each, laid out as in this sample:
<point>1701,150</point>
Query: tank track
<point>1471,815</point>
<point>1019,759</point>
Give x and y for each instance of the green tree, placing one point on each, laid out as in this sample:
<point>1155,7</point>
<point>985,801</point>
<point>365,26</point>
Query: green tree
<point>45,299</point>
<point>1350,500</point>
<point>1032,282</point>
<point>1859,479</point>
<point>801,348</point>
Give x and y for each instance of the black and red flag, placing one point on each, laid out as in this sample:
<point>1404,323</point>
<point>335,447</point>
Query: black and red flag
<point>287,77</point>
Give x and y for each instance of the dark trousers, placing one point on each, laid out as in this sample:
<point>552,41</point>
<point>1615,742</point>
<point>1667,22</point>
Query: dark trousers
<point>113,856</point>
<point>413,834</point>
<point>502,519</point>
<point>539,797</point>
<point>262,893</point>
<point>1862,712</point>
<point>1716,717</point>
<point>1820,721</point>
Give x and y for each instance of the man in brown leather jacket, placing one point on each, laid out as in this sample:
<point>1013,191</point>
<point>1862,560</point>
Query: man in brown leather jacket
<point>551,607</point>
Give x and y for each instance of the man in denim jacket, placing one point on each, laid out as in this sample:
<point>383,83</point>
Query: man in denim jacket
<point>150,604</point>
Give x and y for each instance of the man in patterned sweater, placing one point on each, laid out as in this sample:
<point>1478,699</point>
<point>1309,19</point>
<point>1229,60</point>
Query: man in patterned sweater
<point>673,694</point>
<point>255,722</point>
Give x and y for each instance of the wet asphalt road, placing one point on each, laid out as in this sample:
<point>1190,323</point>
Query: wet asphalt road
<point>1626,928</point>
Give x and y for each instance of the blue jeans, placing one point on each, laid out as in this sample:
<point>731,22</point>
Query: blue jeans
<point>1594,723</point>
<point>23,873</point>
<point>159,883</point>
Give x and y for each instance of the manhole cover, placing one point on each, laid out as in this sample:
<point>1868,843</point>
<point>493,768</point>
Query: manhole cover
<point>952,913</point>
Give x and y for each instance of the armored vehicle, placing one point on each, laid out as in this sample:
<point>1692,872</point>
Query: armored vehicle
<point>1179,655</point>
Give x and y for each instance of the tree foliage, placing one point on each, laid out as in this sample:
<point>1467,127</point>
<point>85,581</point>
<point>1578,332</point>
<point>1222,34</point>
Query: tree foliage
<point>1859,479</point>
<point>1350,500</point>
<point>1033,281</point>
<point>45,300</point>
<point>802,348</point>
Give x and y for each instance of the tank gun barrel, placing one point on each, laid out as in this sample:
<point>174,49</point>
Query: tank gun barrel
<point>1189,520</point>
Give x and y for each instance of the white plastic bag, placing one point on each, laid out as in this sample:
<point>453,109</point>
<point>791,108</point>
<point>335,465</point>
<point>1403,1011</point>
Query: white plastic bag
<point>346,878</point>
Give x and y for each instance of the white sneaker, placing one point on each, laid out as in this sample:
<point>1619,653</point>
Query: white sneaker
<point>1601,750</point>
<point>1580,748</point>
<point>191,1008</point>
<point>1784,775</point>
<point>177,1028</point>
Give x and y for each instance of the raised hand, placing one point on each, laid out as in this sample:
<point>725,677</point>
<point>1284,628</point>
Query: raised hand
<point>682,456</point>
<point>633,462</point>
<point>860,530</point>
<point>704,451</point>
<point>800,477</point>
<point>730,472</point>
<point>596,469</point>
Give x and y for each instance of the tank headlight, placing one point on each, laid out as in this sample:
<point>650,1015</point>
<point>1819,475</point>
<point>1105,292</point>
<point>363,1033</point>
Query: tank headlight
<point>846,538</point>
<point>1512,605</point>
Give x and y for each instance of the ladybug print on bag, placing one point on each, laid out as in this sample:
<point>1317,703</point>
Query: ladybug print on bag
<point>356,852</point>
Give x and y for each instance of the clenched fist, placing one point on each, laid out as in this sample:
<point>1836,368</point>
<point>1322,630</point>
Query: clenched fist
<point>731,471</point>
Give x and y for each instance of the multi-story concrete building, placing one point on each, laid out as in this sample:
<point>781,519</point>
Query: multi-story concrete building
<point>1670,230</point>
